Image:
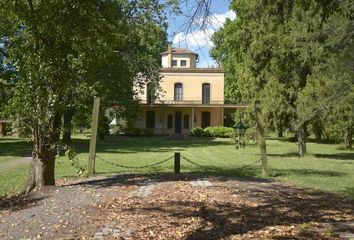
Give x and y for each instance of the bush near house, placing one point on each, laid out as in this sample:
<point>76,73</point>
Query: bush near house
<point>197,132</point>
<point>139,132</point>
<point>132,131</point>
<point>216,131</point>
<point>147,131</point>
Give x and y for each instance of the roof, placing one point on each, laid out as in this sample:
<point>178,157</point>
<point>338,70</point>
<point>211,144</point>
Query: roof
<point>192,70</point>
<point>180,51</point>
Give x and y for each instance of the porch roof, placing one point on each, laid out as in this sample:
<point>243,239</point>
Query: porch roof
<point>196,105</point>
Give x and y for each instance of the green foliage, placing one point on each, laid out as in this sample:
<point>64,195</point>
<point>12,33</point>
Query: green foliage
<point>103,126</point>
<point>218,131</point>
<point>215,131</point>
<point>293,56</point>
<point>133,131</point>
<point>80,169</point>
<point>61,63</point>
<point>197,132</point>
<point>147,131</point>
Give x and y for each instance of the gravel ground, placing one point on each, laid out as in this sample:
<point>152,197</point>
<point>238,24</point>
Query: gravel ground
<point>176,207</point>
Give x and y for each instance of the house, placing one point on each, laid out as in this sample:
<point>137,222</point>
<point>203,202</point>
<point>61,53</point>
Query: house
<point>191,97</point>
<point>3,126</point>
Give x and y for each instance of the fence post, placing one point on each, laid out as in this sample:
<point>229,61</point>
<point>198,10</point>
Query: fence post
<point>177,162</point>
<point>93,140</point>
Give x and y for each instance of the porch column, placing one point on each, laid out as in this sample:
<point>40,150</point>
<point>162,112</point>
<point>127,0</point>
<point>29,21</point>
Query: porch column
<point>192,117</point>
<point>163,119</point>
<point>222,116</point>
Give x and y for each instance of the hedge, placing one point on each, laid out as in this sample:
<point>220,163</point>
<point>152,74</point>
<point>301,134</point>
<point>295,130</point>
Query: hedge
<point>216,131</point>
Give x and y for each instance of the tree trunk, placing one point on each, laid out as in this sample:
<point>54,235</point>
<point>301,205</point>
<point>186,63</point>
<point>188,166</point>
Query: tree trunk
<point>42,169</point>
<point>318,136</point>
<point>349,138</point>
<point>301,141</point>
<point>2,129</point>
<point>280,132</point>
<point>261,140</point>
<point>68,116</point>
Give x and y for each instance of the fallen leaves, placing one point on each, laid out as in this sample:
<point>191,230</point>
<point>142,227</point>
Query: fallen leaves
<point>175,209</point>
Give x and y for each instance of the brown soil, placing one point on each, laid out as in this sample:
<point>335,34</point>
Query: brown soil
<point>176,207</point>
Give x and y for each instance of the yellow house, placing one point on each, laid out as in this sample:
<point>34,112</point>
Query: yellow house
<point>191,97</point>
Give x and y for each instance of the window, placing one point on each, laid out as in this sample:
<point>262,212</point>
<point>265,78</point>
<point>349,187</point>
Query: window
<point>183,63</point>
<point>178,91</point>
<point>186,122</point>
<point>169,121</point>
<point>206,93</point>
<point>174,63</point>
<point>205,119</point>
<point>150,93</point>
<point>150,119</point>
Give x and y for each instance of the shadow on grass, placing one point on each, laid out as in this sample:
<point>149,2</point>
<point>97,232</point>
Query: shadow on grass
<point>336,156</point>
<point>130,145</point>
<point>15,148</point>
<point>306,172</point>
<point>284,155</point>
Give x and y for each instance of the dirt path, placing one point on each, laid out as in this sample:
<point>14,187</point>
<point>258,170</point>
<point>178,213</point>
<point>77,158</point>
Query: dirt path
<point>14,163</point>
<point>176,207</point>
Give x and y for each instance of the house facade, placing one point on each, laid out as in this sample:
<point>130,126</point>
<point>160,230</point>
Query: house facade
<point>191,97</point>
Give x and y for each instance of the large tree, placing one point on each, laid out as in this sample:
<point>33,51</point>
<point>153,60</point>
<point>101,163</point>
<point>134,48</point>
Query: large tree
<point>66,51</point>
<point>273,48</point>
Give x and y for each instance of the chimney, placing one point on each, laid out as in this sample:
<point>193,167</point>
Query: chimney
<point>169,54</point>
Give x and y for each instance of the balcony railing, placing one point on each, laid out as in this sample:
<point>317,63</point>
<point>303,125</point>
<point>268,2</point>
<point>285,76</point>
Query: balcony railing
<point>176,102</point>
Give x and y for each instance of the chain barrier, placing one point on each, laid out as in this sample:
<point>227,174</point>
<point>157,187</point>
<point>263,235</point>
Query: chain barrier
<point>167,159</point>
<point>198,165</point>
<point>133,167</point>
<point>214,168</point>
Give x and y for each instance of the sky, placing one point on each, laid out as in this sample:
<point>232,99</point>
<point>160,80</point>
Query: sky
<point>197,40</point>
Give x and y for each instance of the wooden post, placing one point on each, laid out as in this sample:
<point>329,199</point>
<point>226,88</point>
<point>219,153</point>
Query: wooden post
<point>163,118</point>
<point>222,116</point>
<point>177,162</point>
<point>261,139</point>
<point>93,140</point>
<point>192,118</point>
<point>238,139</point>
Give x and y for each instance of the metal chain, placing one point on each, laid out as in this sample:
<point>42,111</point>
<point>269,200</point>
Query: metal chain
<point>198,165</point>
<point>213,168</point>
<point>132,167</point>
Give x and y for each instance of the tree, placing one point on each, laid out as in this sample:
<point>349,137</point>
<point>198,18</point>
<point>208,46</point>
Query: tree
<point>5,76</point>
<point>67,51</point>
<point>274,48</point>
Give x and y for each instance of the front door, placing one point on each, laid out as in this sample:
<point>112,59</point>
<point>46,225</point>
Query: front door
<point>178,123</point>
<point>205,119</point>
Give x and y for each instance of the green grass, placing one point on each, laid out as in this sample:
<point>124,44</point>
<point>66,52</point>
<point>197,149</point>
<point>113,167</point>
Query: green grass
<point>14,148</point>
<point>13,180</point>
<point>326,168</point>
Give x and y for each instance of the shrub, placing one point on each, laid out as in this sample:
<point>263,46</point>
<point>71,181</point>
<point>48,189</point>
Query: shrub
<point>218,131</point>
<point>133,131</point>
<point>197,132</point>
<point>148,131</point>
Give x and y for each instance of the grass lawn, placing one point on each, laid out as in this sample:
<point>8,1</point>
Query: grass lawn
<point>326,168</point>
<point>14,148</point>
